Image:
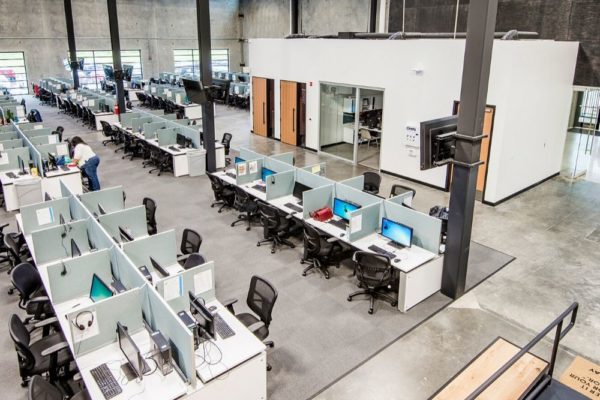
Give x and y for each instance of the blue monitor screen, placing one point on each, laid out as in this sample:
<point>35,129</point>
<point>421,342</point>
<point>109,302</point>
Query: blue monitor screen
<point>99,290</point>
<point>239,160</point>
<point>266,172</point>
<point>343,208</point>
<point>397,232</point>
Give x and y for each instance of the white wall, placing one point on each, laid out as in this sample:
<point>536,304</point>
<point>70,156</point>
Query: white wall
<point>530,84</point>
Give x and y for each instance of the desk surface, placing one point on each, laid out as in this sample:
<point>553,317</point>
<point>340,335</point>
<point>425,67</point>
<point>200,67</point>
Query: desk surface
<point>7,180</point>
<point>59,172</point>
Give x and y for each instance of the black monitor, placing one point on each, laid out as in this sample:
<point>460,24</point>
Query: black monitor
<point>127,72</point>
<point>51,161</point>
<point>21,165</point>
<point>101,209</point>
<point>75,252</point>
<point>159,267</point>
<point>61,219</point>
<point>47,197</point>
<point>181,140</point>
<point>109,73</point>
<point>299,189</point>
<point>125,236</point>
<point>437,141</point>
<point>194,91</point>
<point>134,357</point>
<point>201,314</point>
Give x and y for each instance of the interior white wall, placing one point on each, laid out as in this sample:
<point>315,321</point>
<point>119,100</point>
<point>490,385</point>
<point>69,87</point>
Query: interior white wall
<point>422,79</point>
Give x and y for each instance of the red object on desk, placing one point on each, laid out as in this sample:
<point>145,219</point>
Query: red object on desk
<point>323,214</point>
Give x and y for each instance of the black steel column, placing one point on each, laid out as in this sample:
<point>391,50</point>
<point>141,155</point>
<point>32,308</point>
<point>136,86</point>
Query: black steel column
<point>208,110</point>
<point>72,48</point>
<point>293,17</point>
<point>476,72</point>
<point>113,23</point>
<point>373,16</point>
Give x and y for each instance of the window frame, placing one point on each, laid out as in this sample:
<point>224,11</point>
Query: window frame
<point>19,90</point>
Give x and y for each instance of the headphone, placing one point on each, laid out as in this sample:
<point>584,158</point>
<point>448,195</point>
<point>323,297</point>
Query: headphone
<point>82,327</point>
<point>64,270</point>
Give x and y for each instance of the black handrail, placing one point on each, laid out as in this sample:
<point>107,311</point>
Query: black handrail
<point>560,333</point>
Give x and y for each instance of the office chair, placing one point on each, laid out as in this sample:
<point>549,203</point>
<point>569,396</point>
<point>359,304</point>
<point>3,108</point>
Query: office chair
<point>399,189</point>
<point>32,296</point>
<point>319,253</point>
<point>375,274</point>
<point>48,355</point>
<point>224,195</point>
<point>40,389</point>
<point>150,215</point>
<point>226,142</point>
<point>193,260</point>
<point>261,300</point>
<point>277,227</point>
<point>245,204</point>
<point>163,162</point>
<point>108,133</point>
<point>372,182</point>
<point>17,251</point>
<point>190,244</point>
<point>132,147</point>
<point>4,250</point>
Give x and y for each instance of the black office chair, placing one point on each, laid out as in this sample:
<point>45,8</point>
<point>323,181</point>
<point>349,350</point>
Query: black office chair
<point>246,205</point>
<point>375,274</point>
<point>60,130</point>
<point>18,251</point>
<point>372,182</point>
<point>190,244</point>
<point>193,260</point>
<point>319,253</point>
<point>150,215</point>
<point>132,147</point>
<point>108,133</point>
<point>277,227</point>
<point>224,195</point>
<point>226,142</point>
<point>40,389</point>
<point>399,189</point>
<point>32,296</point>
<point>48,355</point>
<point>5,255</point>
<point>261,300</point>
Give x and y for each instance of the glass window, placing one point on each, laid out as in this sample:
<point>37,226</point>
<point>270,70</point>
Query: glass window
<point>187,61</point>
<point>13,75</point>
<point>93,61</point>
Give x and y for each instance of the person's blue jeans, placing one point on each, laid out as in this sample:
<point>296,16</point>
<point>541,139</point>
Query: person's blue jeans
<point>91,170</point>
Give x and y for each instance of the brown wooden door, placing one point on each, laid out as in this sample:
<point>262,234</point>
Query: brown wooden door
<point>259,106</point>
<point>289,111</point>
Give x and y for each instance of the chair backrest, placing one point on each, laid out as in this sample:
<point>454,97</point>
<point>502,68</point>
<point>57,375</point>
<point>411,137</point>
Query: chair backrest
<point>226,140</point>
<point>373,270</point>
<point>312,240</point>
<point>194,260</point>
<point>13,248</point>
<point>241,198</point>
<point>21,338</point>
<point>269,215</point>
<point>150,210</point>
<point>365,134</point>
<point>26,279</point>
<point>216,185</point>
<point>106,128</point>
<point>261,298</point>
<point>372,180</point>
<point>190,241</point>
<point>40,389</point>
<point>399,189</point>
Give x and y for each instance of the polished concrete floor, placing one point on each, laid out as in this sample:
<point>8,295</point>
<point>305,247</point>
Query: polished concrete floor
<point>581,156</point>
<point>368,155</point>
<point>552,230</point>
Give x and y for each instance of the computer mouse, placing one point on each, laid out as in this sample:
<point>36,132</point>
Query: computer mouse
<point>212,308</point>
<point>342,235</point>
<point>396,260</point>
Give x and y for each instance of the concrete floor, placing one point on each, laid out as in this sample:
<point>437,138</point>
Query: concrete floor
<point>552,230</point>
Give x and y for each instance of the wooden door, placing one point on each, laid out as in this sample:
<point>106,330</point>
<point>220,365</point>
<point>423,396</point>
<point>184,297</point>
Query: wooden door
<point>289,111</point>
<point>259,106</point>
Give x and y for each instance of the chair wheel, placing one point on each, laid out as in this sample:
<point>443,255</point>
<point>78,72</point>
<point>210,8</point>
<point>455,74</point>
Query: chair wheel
<point>326,276</point>
<point>349,298</point>
<point>24,384</point>
<point>257,244</point>
<point>248,228</point>
<point>370,311</point>
<point>268,369</point>
<point>211,206</point>
<point>220,211</point>
<point>273,251</point>
<point>304,274</point>
<point>232,224</point>
<point>11,291</point>
<point>394,304</point>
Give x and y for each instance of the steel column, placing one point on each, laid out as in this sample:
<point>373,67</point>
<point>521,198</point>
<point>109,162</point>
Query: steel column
<point>293,17</point>
<point>208,110</point>
<point>115,41</point>
<point>72,48</point>
<point>373,16</point>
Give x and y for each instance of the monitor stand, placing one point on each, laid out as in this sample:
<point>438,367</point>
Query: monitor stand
<point>396,245</point>
<point>128,372</point>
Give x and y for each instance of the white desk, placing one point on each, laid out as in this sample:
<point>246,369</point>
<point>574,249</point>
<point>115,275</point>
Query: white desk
<point>281,202</point>
<point>11,199</point>
<point>109,117</point>
<point>255,192</point>
<point>222,175</point>
<point>71,179</point>
<point>172,269</point>
<point>191,111</point>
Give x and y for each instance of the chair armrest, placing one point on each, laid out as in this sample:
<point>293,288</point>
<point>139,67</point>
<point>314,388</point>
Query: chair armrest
<point>289,216</point>
<point>256,326</point>
<point>45,322</point>
<point>332,239</point>
<point>39,299</point>
<point>54,349</point>
<point>229,304</point>
<point>3,226</point>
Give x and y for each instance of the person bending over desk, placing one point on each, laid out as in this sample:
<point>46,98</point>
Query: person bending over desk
<point>87,160</point>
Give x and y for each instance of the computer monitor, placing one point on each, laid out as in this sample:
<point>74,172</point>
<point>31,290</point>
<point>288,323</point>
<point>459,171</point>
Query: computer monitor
<point>159,267</point>
<point>47,197</point>
<point>299,189</point>
<point>180,140</point>
<point>51,160</point>
<point>99,289</point>
<point>238,160</point>
<point>101,209</point>
<point>108,72</point>
<point>398,233</point>
<point>21,165</point>
<point>265,173</point>
<point>125,236</point>
<point>343,208</point>
<point>61,219</point>
<point>194,91</point>
<point>75,252</point>
<point>201,314</point>
<point>131,351</point>
<point>127,72</point>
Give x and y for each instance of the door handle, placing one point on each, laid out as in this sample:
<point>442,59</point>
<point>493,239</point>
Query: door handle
<point>264,116</point>
<point>294,120</point>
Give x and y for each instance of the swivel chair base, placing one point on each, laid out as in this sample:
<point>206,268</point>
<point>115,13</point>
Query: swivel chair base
<point>318,266</point>
<point>373,294</point>
<point>276,242</point>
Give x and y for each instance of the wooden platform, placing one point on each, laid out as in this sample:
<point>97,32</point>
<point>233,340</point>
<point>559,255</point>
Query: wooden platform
<point>510,386</point>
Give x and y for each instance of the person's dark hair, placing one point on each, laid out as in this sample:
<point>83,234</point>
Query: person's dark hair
<point>75,140</point>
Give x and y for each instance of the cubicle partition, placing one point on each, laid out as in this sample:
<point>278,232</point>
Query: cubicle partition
<point>137,124</point>
<point>127,118</point>
<point>356,182</point>
<point>162,247</point>
<point>54,243</point>
<point>111,199</point>
<point>426,229</point>
<point>44,215</point>
<point>199,280</point>
<point>150,128</point>
<point>316,199</point>
<point>9,135</point>
<point>287,158</point>
<point>280,184</point>
<point>311,180</point>
<point>317,169</point>
<point>133,220</point>
<point>248,171</point>
<point>9,158</point>
<point>10,144</point>
<point>167,136</point>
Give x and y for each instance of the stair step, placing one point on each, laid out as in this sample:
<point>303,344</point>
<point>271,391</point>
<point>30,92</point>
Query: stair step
<point>558,391</point>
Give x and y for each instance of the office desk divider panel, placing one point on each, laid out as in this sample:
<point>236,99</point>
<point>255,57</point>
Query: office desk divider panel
<point>169,117</point>
<point>356,182</point>
<point>287,158</point>
<point>247,154</point>
<point>50,246</point>
<point>280,184</point>
<point>9,135</point>
<point>190,133</point>
<point>316,199</point>
<point>167,136</point>
<point>364,221</point>
<point>183,121</point>
<point>158,113</point>
<point>37,132</point>
<point>125,308</point>
<point>160,317</point>
<point>44,215</point>
<point>31,125</point>
<point>11,144</point>
<point>111,200</point>
<point>317,169</point>
<point>162,247</point>
<point>311,180</point>
<point>34,153</point>
<point>276,165</point>
<point>200,280</point>
<point>359,197</point>
<point>133,219</point>
<point>78,279</point>
<point>137,123</point>
<point>126,118</point>
<point>124,270</point>
<point>150,128</point>
<point>4,129</point>
<point>243,174</point>
<point>13,162</point>
<point>41,140</point>
<point>426,230</point>
<point>403,198</point>
<point>45,149</point>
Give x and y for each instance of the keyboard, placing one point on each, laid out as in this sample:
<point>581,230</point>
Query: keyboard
<point>174,148</point>
<point>106,381</point>
<point>293,207</point>
<point>64,168</point>
<point>222,328</point>
<point>338,222</point>
<point>260,188</point>
<point>12,175</point>
<point>379,250</point>
<point>230,174</point>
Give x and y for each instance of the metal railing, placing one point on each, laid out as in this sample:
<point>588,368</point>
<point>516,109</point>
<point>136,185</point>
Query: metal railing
<point>559,334</point>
